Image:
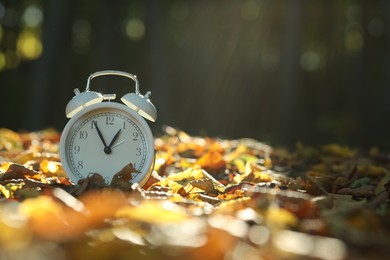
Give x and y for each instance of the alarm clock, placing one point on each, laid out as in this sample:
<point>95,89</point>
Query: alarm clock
<point>103,136</point>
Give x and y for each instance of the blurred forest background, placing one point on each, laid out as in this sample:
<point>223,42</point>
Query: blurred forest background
<point>278,71</point>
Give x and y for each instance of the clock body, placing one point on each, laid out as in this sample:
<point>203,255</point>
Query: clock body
<point>105,137</point>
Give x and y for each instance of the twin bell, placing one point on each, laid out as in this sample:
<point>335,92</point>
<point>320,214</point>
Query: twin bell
<point>140,103</point>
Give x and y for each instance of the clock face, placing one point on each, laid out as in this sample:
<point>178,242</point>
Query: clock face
<point>104,138</point>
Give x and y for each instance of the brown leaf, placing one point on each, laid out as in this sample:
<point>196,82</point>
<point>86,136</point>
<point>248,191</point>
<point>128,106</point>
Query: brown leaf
<point>92,182</point>
<point>31,183</point>
<point>174,187</point>
<point>121,180</point>
<point>364,191</point>
<point>204,185</point>
<point>17,171</point>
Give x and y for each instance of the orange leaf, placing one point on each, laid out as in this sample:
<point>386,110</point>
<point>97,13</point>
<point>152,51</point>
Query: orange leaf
<point>212,161</point>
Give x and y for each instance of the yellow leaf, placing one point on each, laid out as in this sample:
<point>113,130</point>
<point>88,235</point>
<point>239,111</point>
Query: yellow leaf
<point>253,173</point>
<point>4,167</point>
<point>5,192</point>
<point>153,212</point>
<point>338,150</point>
<point>262,176</point>
<point>280,218</point>
<point>240,165</point>
<point>52,168</point>
<point>371,170</point>
<point>203,186</point>
<point>191,174</point>
<point>10,140</point>
<point>9,189</point>
<point>206,182</point>
<point>39,207</point>
<point>175,187</point>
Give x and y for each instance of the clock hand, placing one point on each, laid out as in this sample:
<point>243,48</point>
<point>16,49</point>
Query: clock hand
<point>121,142</point>
<point>114,138</point>
<point>107,151</point>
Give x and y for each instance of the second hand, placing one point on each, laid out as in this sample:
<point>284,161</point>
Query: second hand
<point>121,142</point>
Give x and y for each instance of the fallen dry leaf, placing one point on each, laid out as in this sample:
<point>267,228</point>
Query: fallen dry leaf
<point>207,198</point>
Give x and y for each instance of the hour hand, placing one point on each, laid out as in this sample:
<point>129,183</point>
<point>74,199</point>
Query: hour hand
<point>107,149</point>
<point>114,138</point>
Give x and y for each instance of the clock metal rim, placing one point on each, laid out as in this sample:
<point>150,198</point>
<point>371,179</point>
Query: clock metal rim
<point>143,177</point>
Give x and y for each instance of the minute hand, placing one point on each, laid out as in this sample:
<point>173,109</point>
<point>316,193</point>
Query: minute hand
<point>100,134</point>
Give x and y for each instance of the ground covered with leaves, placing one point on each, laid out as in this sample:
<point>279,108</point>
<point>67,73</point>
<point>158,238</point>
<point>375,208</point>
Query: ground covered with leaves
<point>207,199</point>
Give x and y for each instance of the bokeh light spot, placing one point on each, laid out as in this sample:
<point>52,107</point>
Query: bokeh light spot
<point>29,46</point>
<point>310,245</point>
<point>354,41</point>
<point>259,234</point>
<point>2,61</point>
<point>310,60</point>
<point>135,29</point>
<point>32,16</point>
<point>81,39</point>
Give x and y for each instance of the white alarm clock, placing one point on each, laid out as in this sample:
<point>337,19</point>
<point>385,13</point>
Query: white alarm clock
<point>103,136</point>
